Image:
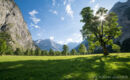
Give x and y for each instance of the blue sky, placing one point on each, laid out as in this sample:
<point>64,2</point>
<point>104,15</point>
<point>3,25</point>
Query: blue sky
<point>58,20</point>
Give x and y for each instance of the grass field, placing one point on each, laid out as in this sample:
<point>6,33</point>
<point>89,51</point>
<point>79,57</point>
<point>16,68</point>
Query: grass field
<point>89,67</point>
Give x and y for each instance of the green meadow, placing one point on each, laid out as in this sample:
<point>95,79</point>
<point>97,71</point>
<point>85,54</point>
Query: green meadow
<point>84,67</point>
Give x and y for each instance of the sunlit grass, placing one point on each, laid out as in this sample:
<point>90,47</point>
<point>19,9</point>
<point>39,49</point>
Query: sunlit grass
<point>83,67</point>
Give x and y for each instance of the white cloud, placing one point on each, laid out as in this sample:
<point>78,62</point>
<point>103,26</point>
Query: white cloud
<point>61,42</point>
<point>33,13</point>
<point>62,18</point>
<point>34,19</point>
<point>52,38</point>
<point>33,16</point>
<point>39,35</point>
<point>92,1</point>
<point>55,12</point>
<point>69,10</point>
<point>76,38</point>
<point>69,40</point>
<point>35,26</point>
<point>64,2</point>
<point>53,2</point>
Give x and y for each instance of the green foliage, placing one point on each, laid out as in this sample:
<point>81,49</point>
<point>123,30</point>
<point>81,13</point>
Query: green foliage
<point>18,52</point>
<point>51,52</point>
<point>46,53</point>
<point>4,46</point>
<point>57,53</point>
<point>9,51</point>
<point>32,52</point>
<point>100,29</point>
<point>116,47</point>
<point>28,52</point>
<point>38,52</point>
<point>82,49</point>
<point>65,50</point>
<point>42,53</point>
<point>73,52</point>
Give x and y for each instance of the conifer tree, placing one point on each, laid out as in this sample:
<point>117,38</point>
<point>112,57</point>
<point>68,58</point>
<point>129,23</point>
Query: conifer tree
<point>73,52</point>
<point>65,50</point>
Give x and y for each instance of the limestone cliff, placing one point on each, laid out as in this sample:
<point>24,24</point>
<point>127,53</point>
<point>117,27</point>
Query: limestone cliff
<point>123,12</point>
<point>12,22</point>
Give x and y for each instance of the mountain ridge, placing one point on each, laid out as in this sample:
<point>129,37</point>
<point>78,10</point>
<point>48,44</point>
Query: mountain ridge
<point>47,44</point>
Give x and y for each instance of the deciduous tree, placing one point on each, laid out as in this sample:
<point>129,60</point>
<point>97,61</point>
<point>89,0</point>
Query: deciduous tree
<point>101,28</point>
<point>82,49</point>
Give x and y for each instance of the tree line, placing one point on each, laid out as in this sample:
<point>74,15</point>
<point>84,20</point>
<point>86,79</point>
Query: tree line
<point>4,50</point>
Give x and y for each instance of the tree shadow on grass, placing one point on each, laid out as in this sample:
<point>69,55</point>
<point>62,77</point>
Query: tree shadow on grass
<point>89,68</point>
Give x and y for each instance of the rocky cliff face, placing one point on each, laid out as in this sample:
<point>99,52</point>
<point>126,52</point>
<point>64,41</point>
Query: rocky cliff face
<point>12,22</point>
<point>123,12</point>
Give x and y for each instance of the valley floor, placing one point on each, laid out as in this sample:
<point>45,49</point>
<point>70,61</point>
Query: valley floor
<point>88,67</point>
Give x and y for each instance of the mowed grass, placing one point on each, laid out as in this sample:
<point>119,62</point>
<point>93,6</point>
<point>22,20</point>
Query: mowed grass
<point>88,67</point>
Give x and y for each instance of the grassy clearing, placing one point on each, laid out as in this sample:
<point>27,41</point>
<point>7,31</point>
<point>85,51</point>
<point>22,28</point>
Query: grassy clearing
<point>89,67</point>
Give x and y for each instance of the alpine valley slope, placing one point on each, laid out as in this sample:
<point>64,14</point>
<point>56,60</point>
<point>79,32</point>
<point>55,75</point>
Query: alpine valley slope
<point>48,44</point>
<point>12,23</point>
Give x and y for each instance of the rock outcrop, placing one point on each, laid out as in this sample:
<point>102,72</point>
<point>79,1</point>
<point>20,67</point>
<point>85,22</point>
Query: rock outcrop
<point>123,12</point>
<point>12,22</point>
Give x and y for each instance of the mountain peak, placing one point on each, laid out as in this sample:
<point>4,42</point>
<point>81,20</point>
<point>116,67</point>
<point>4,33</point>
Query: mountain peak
<point>48,44</point>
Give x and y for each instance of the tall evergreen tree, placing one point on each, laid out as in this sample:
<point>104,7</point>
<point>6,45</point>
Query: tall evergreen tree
<point>57,53</point>
<point>51,52</point>
<point>65,50</point>
<point>18,51</point>
<point>73,52</point>
<point>42,52</point>
<point>38,52</point>
<point>4,46</point>
<point>28,52</point>
<point>46,53</point>
<point>32,52</point>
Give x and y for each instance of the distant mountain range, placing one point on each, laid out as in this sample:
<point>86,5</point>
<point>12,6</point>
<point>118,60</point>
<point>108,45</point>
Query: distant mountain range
<point>121,9</point>
<point>48,44</point>
<point>72,45</point>
<point>85,42</point>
